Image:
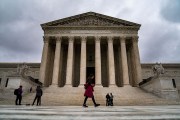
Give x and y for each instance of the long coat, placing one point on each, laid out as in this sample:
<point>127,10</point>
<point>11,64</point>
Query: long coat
<point>89,90</point>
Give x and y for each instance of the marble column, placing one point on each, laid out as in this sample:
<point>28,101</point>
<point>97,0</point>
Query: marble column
<point>111,62</point>
<point>137,63</point>
<point>56,67</point>
<point>44,60</point>
<point>124,61</point>
<point>70,57</point>
<point>83,61</point>
<point>98,61</point>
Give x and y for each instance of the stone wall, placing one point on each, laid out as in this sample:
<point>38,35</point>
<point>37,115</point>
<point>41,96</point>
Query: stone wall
<point>172,71</point>
<point>162,87</point>
<point>10,79</point>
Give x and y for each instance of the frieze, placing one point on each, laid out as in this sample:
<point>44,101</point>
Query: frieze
<point>132,28</point>
<point>90,32</point>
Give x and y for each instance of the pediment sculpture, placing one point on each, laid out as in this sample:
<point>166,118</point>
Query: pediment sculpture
<point>89,19</point>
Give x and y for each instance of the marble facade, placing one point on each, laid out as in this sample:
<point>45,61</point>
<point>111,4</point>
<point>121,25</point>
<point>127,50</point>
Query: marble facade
<point>90,43</point>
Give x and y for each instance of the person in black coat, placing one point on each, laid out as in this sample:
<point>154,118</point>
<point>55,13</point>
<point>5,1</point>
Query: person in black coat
<point>111,99</point>
<point>19,96</point>
<point>39,93</point>
<point>107,99</point>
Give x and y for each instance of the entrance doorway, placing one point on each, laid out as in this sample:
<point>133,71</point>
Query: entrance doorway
<point>90,70</point>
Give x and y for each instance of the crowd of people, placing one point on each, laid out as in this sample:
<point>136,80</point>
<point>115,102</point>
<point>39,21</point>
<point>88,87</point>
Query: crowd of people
<point>89,89</point>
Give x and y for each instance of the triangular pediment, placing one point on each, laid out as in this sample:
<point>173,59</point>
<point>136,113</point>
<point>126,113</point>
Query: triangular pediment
<point>90,19</point>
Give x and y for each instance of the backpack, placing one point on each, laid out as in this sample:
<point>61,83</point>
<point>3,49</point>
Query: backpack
<point>15,91</point>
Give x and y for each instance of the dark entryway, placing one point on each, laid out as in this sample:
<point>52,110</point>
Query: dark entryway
<point>90,70</point>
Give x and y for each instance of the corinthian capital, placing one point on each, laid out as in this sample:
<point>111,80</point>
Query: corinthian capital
<point>135,38</point>
<point>71,38</point>
<point>58,38</point>
<point>97,38</point>
<point>46,39</point>
<point>110,38</point>
<point>83,38</point>
<point>122,38</point>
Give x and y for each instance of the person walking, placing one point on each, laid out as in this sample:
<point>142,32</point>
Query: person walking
<point>39,93</point>
<point>19,95</point>
<point>89,91</point>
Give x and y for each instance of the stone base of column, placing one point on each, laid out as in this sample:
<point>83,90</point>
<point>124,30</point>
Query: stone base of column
<point>127,85</point>
<point>68,85</point>
<point>113,85</point>
<point>81,85</point>
<point>99,86</point>
<point>53,87</point>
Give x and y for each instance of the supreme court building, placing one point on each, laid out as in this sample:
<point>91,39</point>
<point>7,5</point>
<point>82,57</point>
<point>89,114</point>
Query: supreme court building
<point>90,43</point>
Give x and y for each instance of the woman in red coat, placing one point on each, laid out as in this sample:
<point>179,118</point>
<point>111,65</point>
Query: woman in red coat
<point>89,91</point>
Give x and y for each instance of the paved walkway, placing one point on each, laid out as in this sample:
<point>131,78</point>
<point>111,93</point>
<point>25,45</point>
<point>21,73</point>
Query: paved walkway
<point>91,113</point>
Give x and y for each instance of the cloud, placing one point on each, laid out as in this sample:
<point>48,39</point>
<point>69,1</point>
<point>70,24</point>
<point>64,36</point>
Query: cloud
<point>170,11</point>
<point>161,44</point>
<point>21,34</point>
<point>160,36</point>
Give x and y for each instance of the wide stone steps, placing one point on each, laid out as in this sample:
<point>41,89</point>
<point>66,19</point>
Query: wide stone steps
<point>75,96</point>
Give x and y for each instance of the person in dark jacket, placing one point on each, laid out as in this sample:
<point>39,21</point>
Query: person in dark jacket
<point>111,99</point>
<point>107,99</point>
<point>19,96</point>
<point>39,93</point>
<point>89,91</point>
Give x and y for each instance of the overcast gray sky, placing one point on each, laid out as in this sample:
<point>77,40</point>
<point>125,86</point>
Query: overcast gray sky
<point>21,34</point>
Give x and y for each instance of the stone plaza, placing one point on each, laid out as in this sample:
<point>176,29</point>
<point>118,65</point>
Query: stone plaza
<point>91,113</point>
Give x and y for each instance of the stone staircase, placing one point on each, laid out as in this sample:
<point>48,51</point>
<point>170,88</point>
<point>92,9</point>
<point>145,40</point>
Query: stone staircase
<point>73,96</point>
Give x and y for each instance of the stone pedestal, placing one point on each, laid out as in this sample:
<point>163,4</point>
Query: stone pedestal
<point>162,87</point>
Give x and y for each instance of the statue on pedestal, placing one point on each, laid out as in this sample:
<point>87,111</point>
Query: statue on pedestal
<point>22,69</point>
<point>158,69</point>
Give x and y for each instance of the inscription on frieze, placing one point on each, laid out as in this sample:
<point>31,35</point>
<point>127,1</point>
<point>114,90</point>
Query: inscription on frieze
<point>56,31</point>
<point>90,31</point>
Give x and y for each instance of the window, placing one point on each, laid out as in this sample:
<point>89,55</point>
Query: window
<point>7,82</point>
<point>174,83</point>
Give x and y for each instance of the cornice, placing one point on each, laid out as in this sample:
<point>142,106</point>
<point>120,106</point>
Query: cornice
<point>91,28</point>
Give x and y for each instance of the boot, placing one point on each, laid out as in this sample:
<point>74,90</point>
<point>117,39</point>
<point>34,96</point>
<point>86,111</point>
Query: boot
<point>84,105</point>
<point>96,105</point>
